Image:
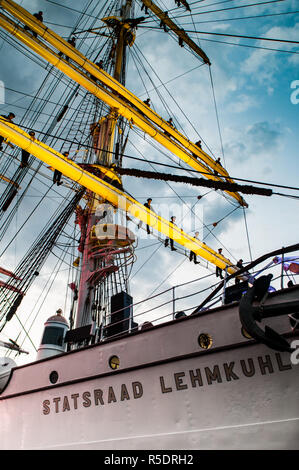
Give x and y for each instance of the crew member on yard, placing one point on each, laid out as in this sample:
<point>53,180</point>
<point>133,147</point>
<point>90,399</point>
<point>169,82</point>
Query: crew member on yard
<point>39,17</point>
<point>162,24</point>
<point>198,144</point>
<point>170,122</point>
<point>239,265</point>
<point>57,174</point>
<point>25,154</point>
<point>192,254</point>
<point>9,118</point>
<point>219,270</point>
<point>143,7</point>
<point>148,205</point>
<point>166,243</point>
<point>72,42</point>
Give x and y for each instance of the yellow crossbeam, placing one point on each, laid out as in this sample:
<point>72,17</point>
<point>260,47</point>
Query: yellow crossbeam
<point>116,197</point>
<point>118,104</point>
<point>178,31</point>
<point>55,40</point>
<point>8,180</point>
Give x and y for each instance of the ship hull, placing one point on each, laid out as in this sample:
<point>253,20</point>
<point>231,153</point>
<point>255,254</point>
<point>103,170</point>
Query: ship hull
<point>168,392</point>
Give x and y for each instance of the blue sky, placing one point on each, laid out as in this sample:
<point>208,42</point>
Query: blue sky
<point>258,123</point>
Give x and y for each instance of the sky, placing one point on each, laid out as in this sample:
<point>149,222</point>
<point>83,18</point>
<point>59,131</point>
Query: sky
<point>257,108</point>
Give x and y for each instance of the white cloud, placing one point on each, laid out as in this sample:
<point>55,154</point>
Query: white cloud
<point>242,103</point>
<point>264,64</point>
<point>260,138</point>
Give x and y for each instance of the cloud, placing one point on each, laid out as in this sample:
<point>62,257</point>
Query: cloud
<point>263,65</point>
<point>242,103</point>
<point>260,138</point>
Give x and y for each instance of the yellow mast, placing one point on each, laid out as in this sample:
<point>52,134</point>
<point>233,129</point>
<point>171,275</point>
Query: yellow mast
<point>178,31</point>
<point>122,102</point>
<point>116,197</point>
<point>147,120</point>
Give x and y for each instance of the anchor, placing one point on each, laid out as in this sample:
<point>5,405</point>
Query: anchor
<point>250,315</point>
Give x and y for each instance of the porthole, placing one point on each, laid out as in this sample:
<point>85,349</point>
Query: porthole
<point>205,341</point>
<point>114,362</point>
<point>245,334</point>
<point>53,377</point>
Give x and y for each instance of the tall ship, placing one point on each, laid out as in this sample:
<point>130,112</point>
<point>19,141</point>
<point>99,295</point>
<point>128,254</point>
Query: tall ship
<point>129,319</point>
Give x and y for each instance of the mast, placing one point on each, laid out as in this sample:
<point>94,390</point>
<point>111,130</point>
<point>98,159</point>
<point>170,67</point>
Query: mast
<point>104,257</point>
<point>106,245</point>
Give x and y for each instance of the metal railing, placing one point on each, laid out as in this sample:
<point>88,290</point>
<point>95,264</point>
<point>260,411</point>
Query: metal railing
<point>169,309</point>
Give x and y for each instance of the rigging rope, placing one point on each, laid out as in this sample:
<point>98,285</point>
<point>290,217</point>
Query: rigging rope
<point>247,235</point>
<point>217,115</point>
<point>295,12</point>
<point>240,45</point>
<point>231,8</point>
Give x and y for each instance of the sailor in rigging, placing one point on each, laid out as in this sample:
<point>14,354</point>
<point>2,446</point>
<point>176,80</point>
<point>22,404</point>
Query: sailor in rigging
<point>218,162</point>
<point>239,265</point>
<point>100,65</point>
<point>186,5</point>
<point>184,2</point>
<point>72,42</point>
<point>170,122</point>
<point>25,154</point>
<point>198,144</point>
<point>144,7</point>
<point>147,204</point>
<point>219,270</point>
<point>162,24</point>
<point>172,220</point>
<point>9,118</point>
<point>192,254</point>
<point>39,17</point>
<point>57,174</point>
<point>147,102</point>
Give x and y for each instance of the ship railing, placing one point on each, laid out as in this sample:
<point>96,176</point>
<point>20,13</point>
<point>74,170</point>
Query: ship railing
<point>159,310</point>
<point>275,263</point>
<point>162,310</point>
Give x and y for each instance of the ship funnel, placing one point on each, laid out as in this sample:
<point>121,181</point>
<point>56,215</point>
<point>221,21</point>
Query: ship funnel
<point>52,342</point>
